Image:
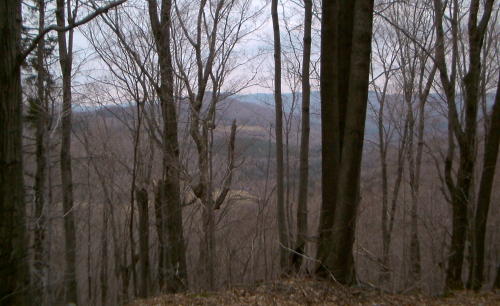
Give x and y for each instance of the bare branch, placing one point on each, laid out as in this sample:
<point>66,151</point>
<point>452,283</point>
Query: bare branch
<point>36,40</point>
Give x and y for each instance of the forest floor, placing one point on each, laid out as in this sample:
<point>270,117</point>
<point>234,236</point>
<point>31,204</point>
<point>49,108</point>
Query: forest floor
<point>310,292</point>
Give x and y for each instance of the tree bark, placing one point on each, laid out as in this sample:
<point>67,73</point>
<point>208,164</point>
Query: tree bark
<point>171,207</point>
<point>388,221</point>
<point>280,201</point>
<point>104,255</point>
<point>464,133</point>
<point>142,201</point>
<point>304,141</point>
<point>209,66</point>
<point>336,42</point>
<point>65,61</point>
<point>344,101</point>
<point>384,139</point>
<point>484,197</point>
<point>352,149</point>
<point>160,231</point>
<point>14,272</point>
<point>386,213</point>
<point>39,258</point>
<point>415,163</point>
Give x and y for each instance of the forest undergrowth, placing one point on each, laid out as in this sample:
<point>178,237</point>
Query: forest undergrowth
<point>301,291</point>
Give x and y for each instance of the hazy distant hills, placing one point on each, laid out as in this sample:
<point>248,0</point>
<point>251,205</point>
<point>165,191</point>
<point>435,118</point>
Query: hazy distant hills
<point>255,117</point>
<point>293,102</point>
<point>254,113</point>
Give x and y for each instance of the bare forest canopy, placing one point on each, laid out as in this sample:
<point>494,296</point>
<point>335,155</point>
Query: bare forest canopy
<point>152,147</point>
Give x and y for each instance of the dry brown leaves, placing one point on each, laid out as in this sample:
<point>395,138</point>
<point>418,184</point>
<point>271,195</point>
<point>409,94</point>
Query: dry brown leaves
<point>309,292</point>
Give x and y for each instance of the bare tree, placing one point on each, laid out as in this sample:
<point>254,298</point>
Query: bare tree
<point>12,206</point>
<point>278,100</point>
<point>304,138</point>
<point>385,54</point>
<point>39,111</point>
<point>464,133</point>
<point>156,85</point>
<point>415,36</point>
<point>172,207</point>
<point>65,11</point>
<point>203,56</point>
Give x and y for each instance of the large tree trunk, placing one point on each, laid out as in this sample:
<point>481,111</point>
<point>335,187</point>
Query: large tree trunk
<point>14,272</point>
<point>336,41</point>
<point>352,149</point>
<point>65,61</point>
<point>484,197</point>
<point>304,141</point>
<point>280,201</point>
<point>171,207</point>
<point>344,101</point>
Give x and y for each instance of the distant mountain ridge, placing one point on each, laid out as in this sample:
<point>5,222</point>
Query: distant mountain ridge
<point>257,110</point>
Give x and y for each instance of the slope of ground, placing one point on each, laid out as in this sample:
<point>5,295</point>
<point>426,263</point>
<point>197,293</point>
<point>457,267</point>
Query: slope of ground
<point>309,292</point>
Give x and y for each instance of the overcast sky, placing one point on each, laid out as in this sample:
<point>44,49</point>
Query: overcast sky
<point>258,47</point>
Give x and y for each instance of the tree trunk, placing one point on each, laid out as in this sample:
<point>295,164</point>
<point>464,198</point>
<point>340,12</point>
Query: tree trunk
<point>414,272</point>
<point>39,257</point>
<point>382,147</point>
<point>160,230</point>
<point>465,134</point>
<point>386,237</point>
<point>14,272</point>
<point>383,143</point>
<point>207,247</point>
<point>415,163</point>
<point>336,41</point>
<point>65,61</point>
<point>171,210</point>
<point>210,71</point>
<point>391,211</point>
<point>304,141</point>
<point>104,256</point>
<point>204,193</point>
<point>142,203</point>
<point>343,129</point>
<point>485,188</point>
<point>352,149</point>
<point>280,201</point>
<point>459,221</point>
